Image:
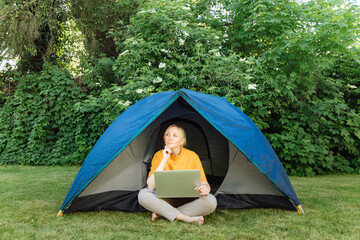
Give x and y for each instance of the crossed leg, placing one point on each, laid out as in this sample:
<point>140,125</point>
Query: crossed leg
<point>190,212</point>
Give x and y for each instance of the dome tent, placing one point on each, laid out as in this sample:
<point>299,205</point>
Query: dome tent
<point>239,162</point>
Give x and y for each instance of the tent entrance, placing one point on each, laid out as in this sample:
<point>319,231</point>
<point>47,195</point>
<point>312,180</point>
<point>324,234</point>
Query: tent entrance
<point>202,138</point>
<point>196,138</point>
<point>197,141</point>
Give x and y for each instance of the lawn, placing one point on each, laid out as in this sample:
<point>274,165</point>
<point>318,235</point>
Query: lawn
<point>31,197</point>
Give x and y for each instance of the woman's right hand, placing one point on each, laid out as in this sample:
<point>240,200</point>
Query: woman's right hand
<point>166,152</point>
<point>166,155</point>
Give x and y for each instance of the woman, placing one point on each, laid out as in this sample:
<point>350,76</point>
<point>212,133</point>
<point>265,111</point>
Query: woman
<point>175,157</point>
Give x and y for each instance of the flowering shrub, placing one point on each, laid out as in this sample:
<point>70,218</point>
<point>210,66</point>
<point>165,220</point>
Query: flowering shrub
<point>279,62</point>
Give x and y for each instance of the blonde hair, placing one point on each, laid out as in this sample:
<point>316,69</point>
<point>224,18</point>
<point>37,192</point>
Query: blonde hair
<point>181,132</point>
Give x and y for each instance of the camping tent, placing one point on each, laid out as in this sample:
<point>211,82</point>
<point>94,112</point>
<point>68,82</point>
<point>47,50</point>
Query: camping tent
<point>241,166</point>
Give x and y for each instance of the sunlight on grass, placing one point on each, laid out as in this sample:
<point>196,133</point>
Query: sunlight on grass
<point>31,197</point>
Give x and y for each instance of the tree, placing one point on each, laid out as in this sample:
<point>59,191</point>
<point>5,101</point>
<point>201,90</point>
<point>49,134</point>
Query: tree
<point>103,22</point>
<point>29,29</point>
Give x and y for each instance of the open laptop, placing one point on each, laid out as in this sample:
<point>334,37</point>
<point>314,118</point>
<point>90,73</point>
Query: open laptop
<point>177,183</point>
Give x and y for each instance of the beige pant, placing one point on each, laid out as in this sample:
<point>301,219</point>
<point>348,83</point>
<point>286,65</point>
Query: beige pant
<point>171,207</point>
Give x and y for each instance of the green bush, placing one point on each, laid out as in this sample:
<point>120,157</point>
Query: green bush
<point>279,62</point>
<point>37,122</point>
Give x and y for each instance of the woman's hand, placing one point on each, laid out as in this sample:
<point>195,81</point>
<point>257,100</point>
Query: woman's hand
<point>166,155</point>
<point>166,152</point>
<point>204,189</point>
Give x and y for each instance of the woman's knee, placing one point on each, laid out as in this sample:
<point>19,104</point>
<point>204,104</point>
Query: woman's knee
<point>144,195</point>
<point>211,202</point>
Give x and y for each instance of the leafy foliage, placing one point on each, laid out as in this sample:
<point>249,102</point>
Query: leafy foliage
<point>29,31</point>
<point>291,67</point>
<point>168,48</point>
<point>37,122</point>
<point>102,22</point>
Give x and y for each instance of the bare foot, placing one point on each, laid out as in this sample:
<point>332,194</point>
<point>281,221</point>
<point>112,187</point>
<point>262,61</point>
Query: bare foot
<point>185,218</point>
<point>199,220</point>
<point>154,216</point>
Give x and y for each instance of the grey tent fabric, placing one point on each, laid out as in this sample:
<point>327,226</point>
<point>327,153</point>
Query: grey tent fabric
<point>244,178</point>
<point>127,171</point>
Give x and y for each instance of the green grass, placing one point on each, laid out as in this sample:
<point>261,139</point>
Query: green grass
<point>31,197</point>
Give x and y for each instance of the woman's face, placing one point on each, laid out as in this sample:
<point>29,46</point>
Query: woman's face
<point>173,139</point>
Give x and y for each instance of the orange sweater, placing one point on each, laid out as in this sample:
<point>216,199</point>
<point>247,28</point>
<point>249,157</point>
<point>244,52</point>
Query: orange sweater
<point>186,160</point>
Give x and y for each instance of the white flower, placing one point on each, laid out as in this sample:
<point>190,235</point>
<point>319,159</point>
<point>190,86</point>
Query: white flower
<point>217,37</point>
<point>162,65</point>
<point>127,103</point>
<point>217,53</point>
<point>165,51</point>
<point>117,89</point>
<point>124,52</point>
<point>149,63</point>
<point>139,90</point>
<point>352,86</point>
<point>186,34</point>
<point>225,35</point>
<point>158,80</point>
<point>181,41</point>
<point>184,24</point>
<point>252,86</point>
<point>186,8</point>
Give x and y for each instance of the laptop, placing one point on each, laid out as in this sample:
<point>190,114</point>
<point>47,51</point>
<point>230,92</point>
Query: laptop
<point>177,183</point>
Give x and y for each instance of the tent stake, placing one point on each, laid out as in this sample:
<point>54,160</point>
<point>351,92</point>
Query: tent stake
<point>300,210</point>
